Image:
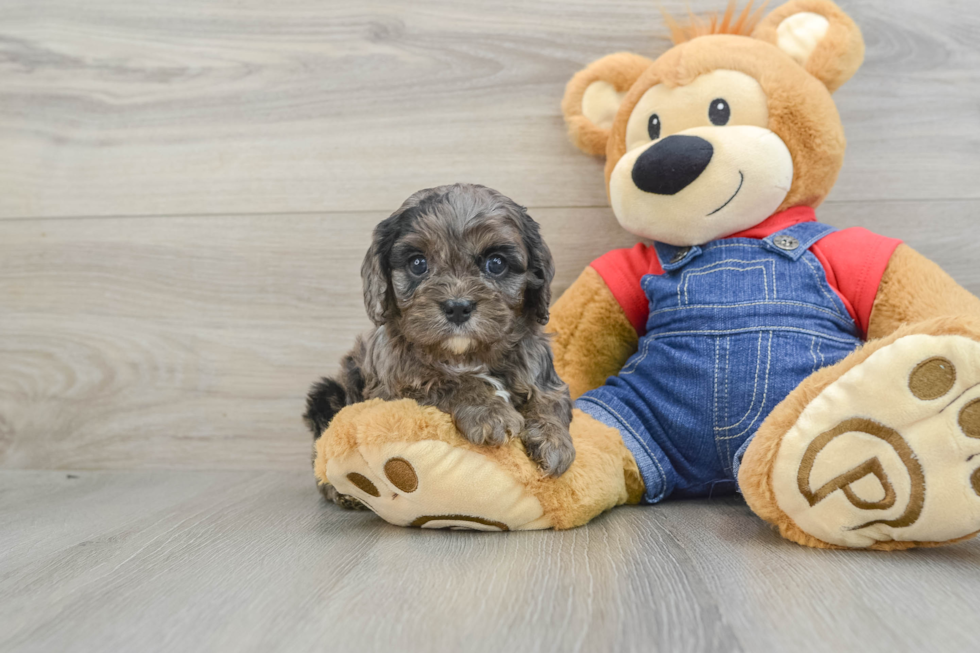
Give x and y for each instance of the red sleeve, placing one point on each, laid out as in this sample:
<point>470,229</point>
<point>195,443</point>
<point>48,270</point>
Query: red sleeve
<point>622,270</point>
<point>855,260</point>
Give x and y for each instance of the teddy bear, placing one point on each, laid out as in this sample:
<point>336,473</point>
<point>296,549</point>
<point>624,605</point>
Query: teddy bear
<point>831,377</point>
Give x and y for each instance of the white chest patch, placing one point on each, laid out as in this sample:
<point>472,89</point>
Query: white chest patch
<point>458,344</point>
<point>498,386</point>
<point>481,372</point>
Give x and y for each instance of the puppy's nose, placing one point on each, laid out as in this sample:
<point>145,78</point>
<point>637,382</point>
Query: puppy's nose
<point>458,310</point>
<point>670,166</point>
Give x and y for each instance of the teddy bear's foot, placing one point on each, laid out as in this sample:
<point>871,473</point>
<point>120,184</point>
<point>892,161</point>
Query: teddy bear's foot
<point>886,456</point>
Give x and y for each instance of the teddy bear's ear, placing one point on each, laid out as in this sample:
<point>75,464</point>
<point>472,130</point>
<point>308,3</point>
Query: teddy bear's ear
<point>819,36</point>
<point>593,96</point>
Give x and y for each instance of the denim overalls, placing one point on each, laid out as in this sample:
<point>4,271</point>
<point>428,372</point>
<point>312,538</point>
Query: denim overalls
<point>735,325</point>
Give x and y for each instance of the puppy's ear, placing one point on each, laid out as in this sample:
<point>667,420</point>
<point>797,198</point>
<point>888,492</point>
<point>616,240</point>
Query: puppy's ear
<point>540,269</point>
<point>376,271</point>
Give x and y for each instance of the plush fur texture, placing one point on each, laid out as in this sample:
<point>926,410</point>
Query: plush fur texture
<point>731,22</point>
<point>755,475</point>
<point>801,111</point>
<point>491,369</point>
<point>621,70</point>
<point>915,289</point>
<point>839,53</point>
<point>603,475</point>
<point>592,337</point>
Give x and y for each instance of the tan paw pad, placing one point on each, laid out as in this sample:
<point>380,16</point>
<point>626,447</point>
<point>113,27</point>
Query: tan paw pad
<point>402,475</point>
<point>932,378</point>
<point>970,419</point>
<point>363,484</point>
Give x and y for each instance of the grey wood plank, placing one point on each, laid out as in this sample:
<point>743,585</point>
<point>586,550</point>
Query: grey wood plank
<point>149,108</point>
<point>226,561</point>
<point>190,342</point>
<point>917,600</point>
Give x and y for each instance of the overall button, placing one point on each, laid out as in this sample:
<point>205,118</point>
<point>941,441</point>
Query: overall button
<point>786,242</point>
<point>680,254</point>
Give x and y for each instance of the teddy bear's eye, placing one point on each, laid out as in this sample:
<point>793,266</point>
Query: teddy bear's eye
<point>719,112</point>
<point>653,127</point>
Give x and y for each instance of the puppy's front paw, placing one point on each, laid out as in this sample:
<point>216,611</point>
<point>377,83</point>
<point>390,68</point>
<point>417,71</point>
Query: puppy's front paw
<point>490,425</point>
<point>345,501</point>
<point>550,446</point>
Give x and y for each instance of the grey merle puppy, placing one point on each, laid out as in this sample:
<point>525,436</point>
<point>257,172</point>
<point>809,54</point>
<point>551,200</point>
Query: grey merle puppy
<point>458,283</point>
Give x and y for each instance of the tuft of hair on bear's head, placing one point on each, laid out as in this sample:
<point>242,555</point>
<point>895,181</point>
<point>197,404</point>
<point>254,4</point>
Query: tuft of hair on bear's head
<point>728,23</point>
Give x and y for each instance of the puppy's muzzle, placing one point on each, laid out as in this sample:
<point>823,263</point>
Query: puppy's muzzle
<point>458,311</point>
<point>670,166</point>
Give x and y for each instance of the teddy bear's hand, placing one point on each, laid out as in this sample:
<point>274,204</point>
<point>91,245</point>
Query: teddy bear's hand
<point>491,424</point>
<point>549,445</point>
<point>408,464</point>
<point>592,337</point>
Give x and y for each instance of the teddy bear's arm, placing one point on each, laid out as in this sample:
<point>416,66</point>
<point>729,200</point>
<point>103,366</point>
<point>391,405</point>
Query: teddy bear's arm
<point>914,289</point>
<point>592,336</point>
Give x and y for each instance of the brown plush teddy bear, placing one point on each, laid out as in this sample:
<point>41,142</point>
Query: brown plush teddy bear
<point>832,377</point>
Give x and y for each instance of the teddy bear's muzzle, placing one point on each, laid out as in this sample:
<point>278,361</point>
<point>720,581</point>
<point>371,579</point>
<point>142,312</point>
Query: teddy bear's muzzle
<point>671,165</point>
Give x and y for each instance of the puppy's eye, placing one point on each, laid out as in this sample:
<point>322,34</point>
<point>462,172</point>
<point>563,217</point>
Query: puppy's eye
<point>719,113</point>
<point>653,127</point>
<point>418,266</point>
<point>495,266</point>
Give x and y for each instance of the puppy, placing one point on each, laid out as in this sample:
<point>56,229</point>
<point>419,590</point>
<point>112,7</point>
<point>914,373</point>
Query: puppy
<point>458,283</point>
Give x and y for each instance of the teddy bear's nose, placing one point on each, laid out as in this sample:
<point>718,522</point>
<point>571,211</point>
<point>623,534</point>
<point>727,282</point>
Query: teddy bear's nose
<point>671,165</point>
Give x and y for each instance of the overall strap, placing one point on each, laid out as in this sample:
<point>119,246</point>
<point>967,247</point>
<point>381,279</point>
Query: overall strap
<point>794,241</point>
<point>673,257</point>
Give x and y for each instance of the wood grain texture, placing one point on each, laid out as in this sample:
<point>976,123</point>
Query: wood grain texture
<point>186,191</point>
<point>191,342</point>
<point>224,561</point>
<point>190,107</point>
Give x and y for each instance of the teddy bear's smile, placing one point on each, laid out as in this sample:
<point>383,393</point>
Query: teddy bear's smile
<point>741,180</point>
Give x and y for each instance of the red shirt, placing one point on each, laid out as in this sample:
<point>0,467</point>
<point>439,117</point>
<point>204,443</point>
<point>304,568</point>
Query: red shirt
<point>854,261</point>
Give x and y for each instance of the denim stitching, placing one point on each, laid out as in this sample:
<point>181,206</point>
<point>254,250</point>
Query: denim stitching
<point>713,267</point>
<point>834,314</point>
<point>728,366</point>
<point>765,394</point>
<point>821,285</point>
<point>631,365</point>
<point>742,245</point>
<point>719,332</point>
<point>714,410</point>
<point>637,438</point>
<point>755,383</point>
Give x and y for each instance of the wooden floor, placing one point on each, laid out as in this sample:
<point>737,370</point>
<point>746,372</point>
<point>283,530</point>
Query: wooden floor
<point>186,191</point>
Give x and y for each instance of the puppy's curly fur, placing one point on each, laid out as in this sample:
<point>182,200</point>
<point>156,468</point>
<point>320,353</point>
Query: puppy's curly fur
<point>458,283</point>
